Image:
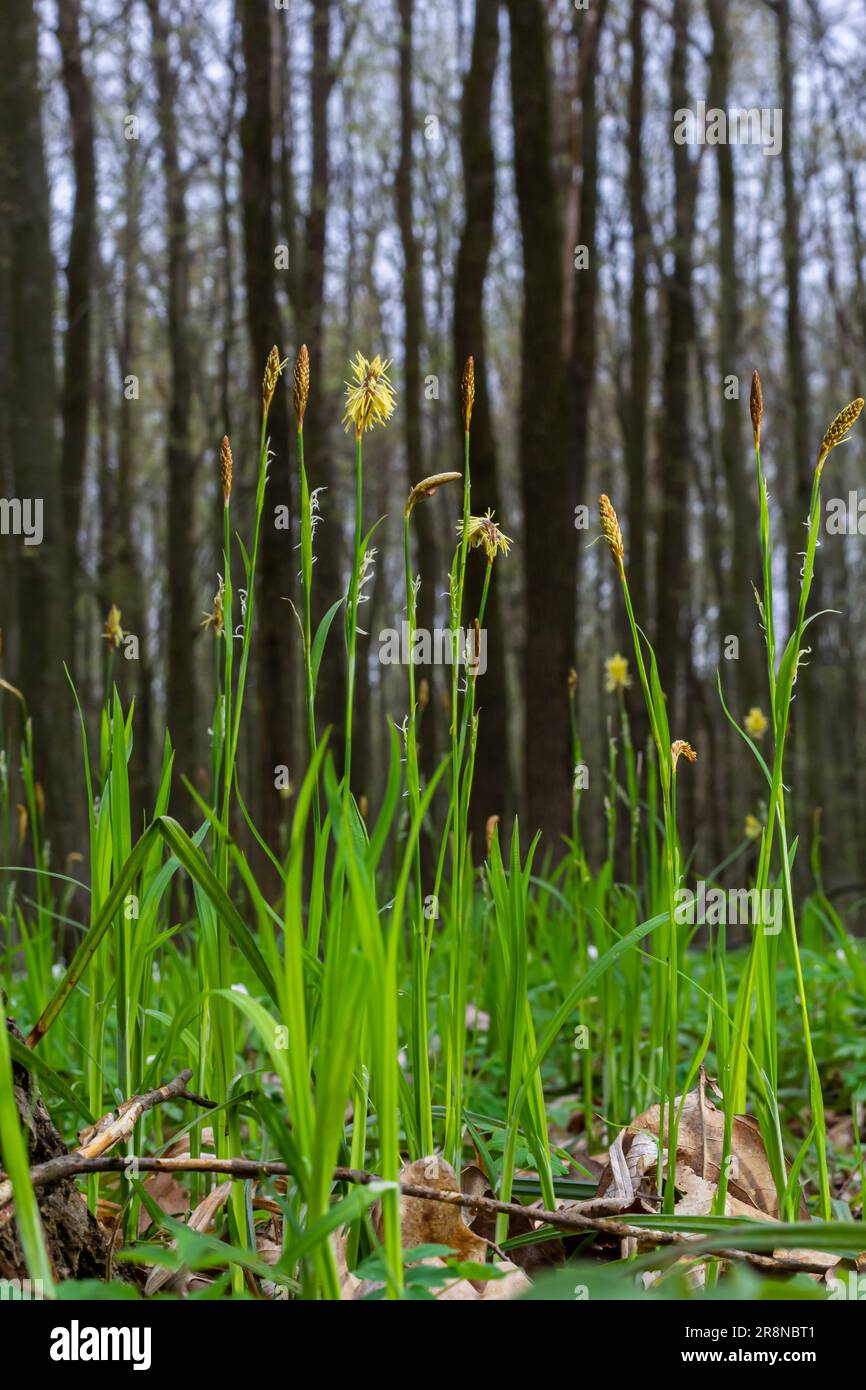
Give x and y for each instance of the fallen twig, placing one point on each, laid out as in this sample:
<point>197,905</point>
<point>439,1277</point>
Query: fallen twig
<point>111,1129</point>
<point>72,1165</point>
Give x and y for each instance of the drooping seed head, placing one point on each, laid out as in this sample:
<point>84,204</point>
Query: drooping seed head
<point>756,408</point>
<point>839,429</point>
<point>572,681</point>
<point>680,747</point>
<point>370,398</point>
<point>301,391</point>
<point>273,370</point>
<point>467,392</point>
<point>226,468</point>
<point>423,693</point>
<point>610,529</point>
<point>428,487</point>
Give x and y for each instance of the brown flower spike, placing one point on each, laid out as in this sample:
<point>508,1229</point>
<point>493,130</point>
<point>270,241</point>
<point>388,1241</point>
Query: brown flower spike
<point>273,370</point>
<point>839,429</point>
<point>756,408</point>
<point>226,468</point>
<point>610,529</point>
<point>301,391</point>
<point>467,392</point>
<point>681,747</point>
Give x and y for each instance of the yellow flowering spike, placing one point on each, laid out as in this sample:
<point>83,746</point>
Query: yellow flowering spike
<point>755,723</point>
<point>752,827</point>
<point>483,531</point>
<point>616,674</point>
<point>370,398</point>
<point>112,632</point>
<point>679,748</point>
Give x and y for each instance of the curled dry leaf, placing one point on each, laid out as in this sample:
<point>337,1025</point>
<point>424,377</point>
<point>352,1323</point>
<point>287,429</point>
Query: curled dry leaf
<point>436,1223</point>
<point>751,1190</point>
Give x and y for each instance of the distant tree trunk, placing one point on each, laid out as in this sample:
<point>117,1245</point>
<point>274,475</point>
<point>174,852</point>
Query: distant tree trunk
<point>582,355</point>
<point>413,337</point>
<point>640,347</point>
<point>44,621</point>
<point>810,728</point>
<point>180,695</point>
<point>273,641</point>
<point>493,789</point>
<point>672,574</point>
<point>126,581</point>
<point>321,469</point>
<point>80,265</point>
<point>738,612</point>
<point>798,397</point>
<point>547,483</point>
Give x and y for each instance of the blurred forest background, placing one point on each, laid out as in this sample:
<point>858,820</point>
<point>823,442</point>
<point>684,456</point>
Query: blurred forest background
<point>185,182</point>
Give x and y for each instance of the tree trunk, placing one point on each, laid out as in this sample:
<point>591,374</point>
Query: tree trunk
<point>180,691</point>
<point>493,789</point>
<point>44,621</point>
<point>547,485</point>
<point>672,572</point>
<point>274,640</point>
<point>80,264</point>
<point>640,347</point>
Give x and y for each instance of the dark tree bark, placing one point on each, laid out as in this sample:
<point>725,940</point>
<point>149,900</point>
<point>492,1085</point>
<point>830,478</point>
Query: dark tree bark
<point>738,612</point>
<point>330,581</point>
<point>810,728</point>
<point>413,338</point>
<point>640,347</point>
<point>273,641</point>
<point>672,573</point>
<point>77,1245</point>
<point>493,789</point>
<point>44,623</point>
<point>582,355</point>
<point>548,485</point>
<point>180,700</point>
<point>80,266</point>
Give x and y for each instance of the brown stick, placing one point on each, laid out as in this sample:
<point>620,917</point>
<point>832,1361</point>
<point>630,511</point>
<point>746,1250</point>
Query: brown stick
<point>111,1129</point>
<point>70,1165</point>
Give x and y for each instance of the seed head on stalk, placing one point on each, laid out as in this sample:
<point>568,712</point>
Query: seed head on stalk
<point>226,468</point>
<point>680,748</point>
<point>428,487</point>
<point>756,408</point>
<point>301,387</point>
<point>610,529</point>
<point>838,430</point>
<point>467,392</point>
<point>273,371</point>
